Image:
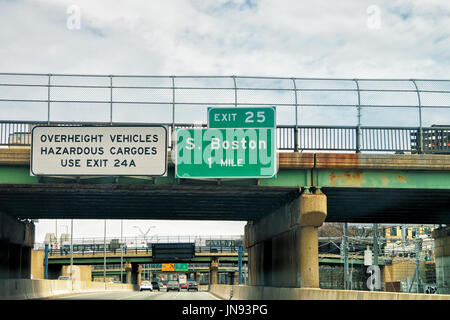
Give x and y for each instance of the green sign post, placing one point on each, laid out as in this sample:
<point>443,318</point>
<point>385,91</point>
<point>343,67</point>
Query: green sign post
<point>255,117</point>
<point>181,266</point>
<point>226,153</point>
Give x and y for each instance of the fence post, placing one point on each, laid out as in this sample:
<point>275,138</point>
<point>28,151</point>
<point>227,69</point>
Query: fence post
<point>173,104</point>
<point>110,100</point>
<point>235,91</point>
<point>48,99</point>
<point>358,128</point>
<point>420,138</point>
<point>296,118</point>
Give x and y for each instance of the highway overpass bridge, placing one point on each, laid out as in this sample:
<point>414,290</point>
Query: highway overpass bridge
<point>282,212</point>
<point>359,188</point>
<point>371,184</point>
<point>133,263</point>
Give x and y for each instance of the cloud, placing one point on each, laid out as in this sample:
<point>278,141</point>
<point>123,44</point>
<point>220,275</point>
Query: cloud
<point>287,38</point>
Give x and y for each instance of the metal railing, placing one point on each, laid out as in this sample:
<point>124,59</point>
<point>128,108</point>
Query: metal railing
<point>315,138</point>
<point>207,244</point>
<point>312,113</point>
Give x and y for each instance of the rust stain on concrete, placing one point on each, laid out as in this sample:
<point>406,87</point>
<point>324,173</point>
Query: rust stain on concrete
<point>296,160</point>
<point>332,160</point>
<point>349,178</point>
<point>333,178</point>
<point>353,178</point>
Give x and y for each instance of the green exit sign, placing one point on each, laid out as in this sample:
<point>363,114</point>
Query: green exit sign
<point>226,153</point>
<point>181,267</point>
<point>255,117</point>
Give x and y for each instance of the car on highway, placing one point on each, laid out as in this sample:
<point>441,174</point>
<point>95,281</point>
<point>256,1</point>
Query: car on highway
<point>146,285</point>
<point>184,285</point>
<point>173,285</point>
<point>192,285</point>
<point>155,285</point>
<point>64,278</point>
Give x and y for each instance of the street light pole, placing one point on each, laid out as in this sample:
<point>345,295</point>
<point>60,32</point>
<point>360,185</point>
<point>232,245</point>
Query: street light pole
<point>104,256</point>
<point>121,251</point>
<point>56,234</point>
<point>144,235</point>
<point>347,285</point>
<point>71,252</point>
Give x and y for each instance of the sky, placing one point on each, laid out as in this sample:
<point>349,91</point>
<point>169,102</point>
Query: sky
<point>343,39</point>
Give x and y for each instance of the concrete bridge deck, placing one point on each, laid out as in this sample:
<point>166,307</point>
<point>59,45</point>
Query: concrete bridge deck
<point>359,188</point>
<point>137,257</point>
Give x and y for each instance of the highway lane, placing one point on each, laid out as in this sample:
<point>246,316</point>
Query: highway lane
<point>136,295</point>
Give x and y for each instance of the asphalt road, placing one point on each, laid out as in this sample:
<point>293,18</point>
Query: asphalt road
<point>136,295</point>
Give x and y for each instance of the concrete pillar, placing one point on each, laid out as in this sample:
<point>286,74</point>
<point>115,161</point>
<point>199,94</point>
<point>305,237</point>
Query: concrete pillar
<point>4,261</point>
<point>283,246</point>
<point>139,275</point>
<point>442,251</point>
<point>16,241</point>
<point>128,268</point>
<point>135,273</point>
<point>213,271</point>
<point>25,270</point>
<point>37,264</point>
<point>308,257</point>
<point>197,277</point>
<point>15,256</point>
<point>313,211</point>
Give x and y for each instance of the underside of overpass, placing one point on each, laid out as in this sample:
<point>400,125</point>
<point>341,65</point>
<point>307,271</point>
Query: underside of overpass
<point>187,201</point>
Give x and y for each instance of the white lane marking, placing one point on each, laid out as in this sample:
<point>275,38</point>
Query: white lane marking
<point>130,296</point>
<point>143,294</point>
<point>75,294</point>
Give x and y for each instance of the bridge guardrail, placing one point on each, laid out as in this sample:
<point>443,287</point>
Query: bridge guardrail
<point>406,109</point>
<point>435,139</point>
<point>206,244</point>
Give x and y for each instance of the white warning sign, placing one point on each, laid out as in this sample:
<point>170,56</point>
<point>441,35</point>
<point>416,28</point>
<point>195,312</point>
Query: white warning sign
<point>98,151</point>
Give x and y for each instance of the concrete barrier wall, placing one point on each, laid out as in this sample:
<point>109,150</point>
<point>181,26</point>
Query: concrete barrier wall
<point>242,292</point>
<point>20,289</point>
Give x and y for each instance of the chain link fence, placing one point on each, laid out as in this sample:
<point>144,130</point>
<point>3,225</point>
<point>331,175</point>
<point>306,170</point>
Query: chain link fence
<point>392,115</point>
<point>406,259</point>
<point>212,244</point>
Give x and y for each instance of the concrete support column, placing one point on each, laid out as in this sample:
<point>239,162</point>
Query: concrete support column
<point>283,246</point>
<point>25,263</point>
<point>197,277</point>
<point>4,261</point>
<point>442,251</point>
<point>128,268</point>
<point>139,275</point>
<point>15,256</point>
<point>313,211</point>
<point>16,241</point>
<point>135,273</point>
<point>213,271</point>
<point>308,257</point>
